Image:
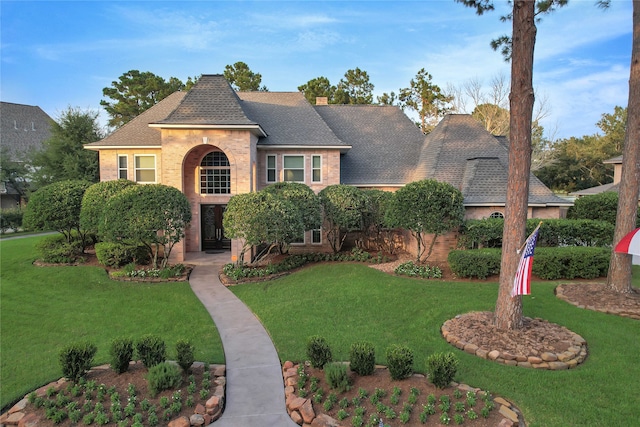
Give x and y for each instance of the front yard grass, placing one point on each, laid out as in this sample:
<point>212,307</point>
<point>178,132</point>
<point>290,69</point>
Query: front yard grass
<point>346,303</point>
<point>42,309</point>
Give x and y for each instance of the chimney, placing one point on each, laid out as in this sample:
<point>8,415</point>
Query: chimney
<point>322,100</point>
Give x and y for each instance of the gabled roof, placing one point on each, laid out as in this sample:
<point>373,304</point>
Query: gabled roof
<point>461,152</point>
<point>384,143</point>
<point>23,128</point>
<point>137,132</point>
<point>288,120</point>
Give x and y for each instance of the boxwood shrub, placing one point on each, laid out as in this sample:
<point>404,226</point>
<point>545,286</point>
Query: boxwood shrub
<point>56,249</point>
<point>116,254</point>
<point>362,358</point>
<point>569,262</point>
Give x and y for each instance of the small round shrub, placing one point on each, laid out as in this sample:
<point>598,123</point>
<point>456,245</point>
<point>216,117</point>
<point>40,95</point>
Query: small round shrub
<point>441,368</point>
<point>184,351</point>
<point>337,376</point>
<point>151,350</point>
<point>399,361</point>
<point>57,250</point>
<point>318,351</point>
<point>76,360</point>
<point>121,353</point>
<point>362,358</point>
<point>163,376</point>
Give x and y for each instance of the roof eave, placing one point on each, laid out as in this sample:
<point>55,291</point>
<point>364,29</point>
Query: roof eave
<point>116,147</point>
<point>255,129</point>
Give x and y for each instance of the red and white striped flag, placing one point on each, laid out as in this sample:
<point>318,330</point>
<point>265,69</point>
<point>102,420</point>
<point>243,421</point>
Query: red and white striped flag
<point>522,281</point>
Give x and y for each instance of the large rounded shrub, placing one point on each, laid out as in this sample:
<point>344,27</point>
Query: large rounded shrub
<point>95,201</point>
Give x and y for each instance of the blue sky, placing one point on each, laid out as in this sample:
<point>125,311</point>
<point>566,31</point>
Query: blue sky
<point>56,54</point>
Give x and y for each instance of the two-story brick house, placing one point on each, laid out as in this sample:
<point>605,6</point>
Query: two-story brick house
<point>212,143</point>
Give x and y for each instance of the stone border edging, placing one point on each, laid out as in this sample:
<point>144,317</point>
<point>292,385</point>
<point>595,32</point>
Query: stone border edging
<point>569,359</point>
<point>300,409</point>
<point>559,291</point>
<point>203,415</point>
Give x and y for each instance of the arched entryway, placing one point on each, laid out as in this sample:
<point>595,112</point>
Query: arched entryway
<point>214,181</point>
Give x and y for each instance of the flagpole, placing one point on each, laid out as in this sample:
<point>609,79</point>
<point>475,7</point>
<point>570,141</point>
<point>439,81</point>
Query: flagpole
<point>525,240</point>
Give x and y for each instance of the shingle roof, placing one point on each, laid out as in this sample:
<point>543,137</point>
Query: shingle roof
<point>23,128</point>
<point>137,132</point>
<point>384,143</point>
<point>288,119</point>
<point>211,101</point>
<point>461,152</point>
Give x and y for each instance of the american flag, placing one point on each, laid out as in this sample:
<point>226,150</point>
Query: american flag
<point>522,281</point>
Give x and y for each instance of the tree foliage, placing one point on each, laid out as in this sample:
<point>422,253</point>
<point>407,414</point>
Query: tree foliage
<point>353,88</point>
<point>63,156</point>
<point>427,99</point>
<point>153,215</point>
<point>135,92</point>
<point>426,207</point>
<point>303,198</point>
<point>342,206</point>
<point>601,207</point>
<point>95,201</point>
<point>374,226</point>
<point>57,207</point>
<point>15,174</point>
<point>242,79</point>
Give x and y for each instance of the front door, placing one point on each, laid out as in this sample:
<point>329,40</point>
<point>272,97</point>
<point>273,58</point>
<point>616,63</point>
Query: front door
<point>211,228</point>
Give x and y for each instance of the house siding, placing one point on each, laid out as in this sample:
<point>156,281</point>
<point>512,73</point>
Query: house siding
<point>330,167</point>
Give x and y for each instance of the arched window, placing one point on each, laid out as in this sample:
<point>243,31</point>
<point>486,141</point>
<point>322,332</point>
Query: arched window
<point>497,215</point>
<point>215,174</point>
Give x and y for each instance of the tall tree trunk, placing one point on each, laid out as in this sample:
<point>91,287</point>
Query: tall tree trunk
<point>508,313</point>
<point>619,278</point>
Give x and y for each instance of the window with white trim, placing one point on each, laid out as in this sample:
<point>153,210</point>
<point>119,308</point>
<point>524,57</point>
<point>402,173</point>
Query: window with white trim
<point>271,168</point>
<point>215,174</point>
<point>123,170</point>
<point>293,168</point>
<point>316,236</point>
<point>145,168</point>
<point>316,168</point>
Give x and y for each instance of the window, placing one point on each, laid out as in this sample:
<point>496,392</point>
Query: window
<point>271,168</point>
<point>215,174</point>
<point>145,166</point>
<point>316,236</point>
<point>293,168</point>
<point>497,215</point>
<point>123,173</point>
<point>316,168</point>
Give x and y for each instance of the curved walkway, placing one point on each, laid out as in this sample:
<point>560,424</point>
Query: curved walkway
<point>255,388</point>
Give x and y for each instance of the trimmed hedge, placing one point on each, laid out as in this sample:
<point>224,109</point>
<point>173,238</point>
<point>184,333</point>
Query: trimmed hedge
<point>550,263</point>
<point>119,254</point>
<point>57,250</point>
<point>487,233</point>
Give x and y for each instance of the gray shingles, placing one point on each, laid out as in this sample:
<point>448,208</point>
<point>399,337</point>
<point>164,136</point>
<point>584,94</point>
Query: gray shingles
<point>23,129</point>
<point>384,143</point>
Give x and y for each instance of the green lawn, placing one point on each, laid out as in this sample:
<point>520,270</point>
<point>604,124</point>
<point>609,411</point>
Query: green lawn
<point>43,309</point>
<point>350,302</point>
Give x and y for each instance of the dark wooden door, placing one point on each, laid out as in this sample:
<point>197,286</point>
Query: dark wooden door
<point>211,228</point>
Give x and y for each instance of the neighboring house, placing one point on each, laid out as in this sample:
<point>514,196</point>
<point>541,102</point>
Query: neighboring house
<point>213,143</point>
<point>23,129</point>
<point>612,186</point>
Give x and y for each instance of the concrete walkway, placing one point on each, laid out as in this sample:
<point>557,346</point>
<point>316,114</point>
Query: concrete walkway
<point>255,388</point>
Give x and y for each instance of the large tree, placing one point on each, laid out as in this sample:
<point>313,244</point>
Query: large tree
<point>15,175</point>
<point>427,99</point>
<point>619,277</point>
<point>518,48</point>
<point>63,156</point>
<point>242,79</point>
<point>354,88</point>
<point>318,87</point>
<point>135,92</point>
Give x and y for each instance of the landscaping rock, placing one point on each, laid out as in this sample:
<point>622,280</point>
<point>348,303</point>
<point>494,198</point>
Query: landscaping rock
<point>180,422</point>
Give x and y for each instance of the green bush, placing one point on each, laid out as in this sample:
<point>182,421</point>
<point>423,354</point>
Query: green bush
<point>56,249</point>
<point>480,263</point>
<point>151,350</point>
<point>571,263</point>
<point>441,368</point>
<point>76,360</point>
<point>118,254</point>
<point>10,219</point>
<point>185,350</point>
<point>336,376</point>
<point>399,361</point>
<point>318,351</point>
<point>121,352</point>
<point>95,199</point>
<point>362,358</point>
<point>163,376</point>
